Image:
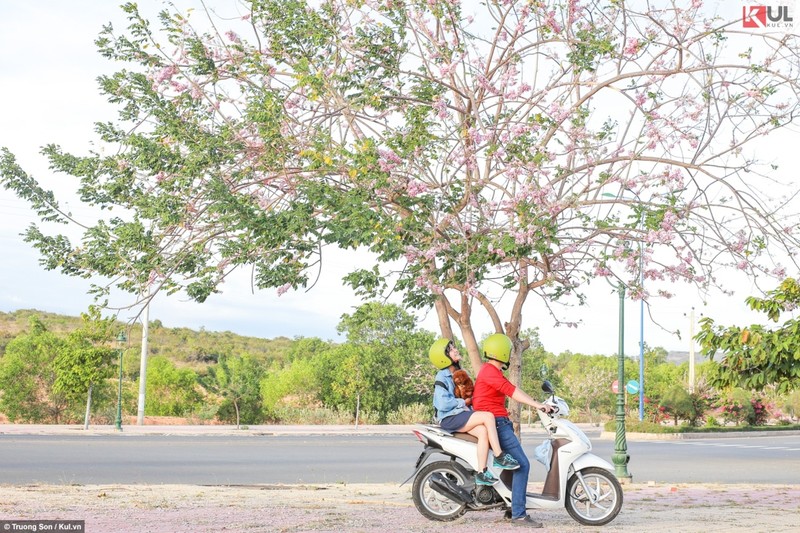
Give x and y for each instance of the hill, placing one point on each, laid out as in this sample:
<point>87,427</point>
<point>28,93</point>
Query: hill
<point>182,345</point>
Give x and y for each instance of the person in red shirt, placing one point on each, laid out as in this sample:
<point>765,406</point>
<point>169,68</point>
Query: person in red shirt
<point>491,390</point>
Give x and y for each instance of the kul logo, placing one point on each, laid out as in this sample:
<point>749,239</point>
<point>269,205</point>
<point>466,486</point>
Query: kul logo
<point>758,16</point>
<point>754,16</point>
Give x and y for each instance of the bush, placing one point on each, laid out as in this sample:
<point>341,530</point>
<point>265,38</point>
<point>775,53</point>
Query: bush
<point>760,412</point>
<point>679,404</point>
<point>313,416</point>
<point>322,416</point>
<point>735,406</point>
<point>644,426</point>
<point>712,422</point>
<point>416,413</point>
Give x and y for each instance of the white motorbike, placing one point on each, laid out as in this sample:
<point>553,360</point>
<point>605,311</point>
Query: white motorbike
<point>576,479</point>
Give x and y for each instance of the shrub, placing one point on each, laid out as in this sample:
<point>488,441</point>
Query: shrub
<point>679,404</point>
<point>313,416</point>
<point>654,412</point>
<point>415,413</point>
<point>759,412</point>
<point>735,406</point>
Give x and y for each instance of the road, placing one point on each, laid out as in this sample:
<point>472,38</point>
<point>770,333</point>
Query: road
<point>221,460</point>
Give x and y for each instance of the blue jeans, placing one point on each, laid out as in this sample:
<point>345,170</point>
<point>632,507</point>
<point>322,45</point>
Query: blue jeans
<point>519,483</point>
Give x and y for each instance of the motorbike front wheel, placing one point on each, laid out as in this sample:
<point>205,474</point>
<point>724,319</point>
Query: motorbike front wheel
<point>432,504</point>
<point>597,500</point>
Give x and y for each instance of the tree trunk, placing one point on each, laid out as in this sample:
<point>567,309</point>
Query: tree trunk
<point>515,377</point>
<point>358,407</point>
<point>88,407</point>
<point>236,407</point>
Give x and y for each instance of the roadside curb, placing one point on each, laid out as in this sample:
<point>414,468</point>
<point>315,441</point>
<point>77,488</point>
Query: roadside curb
<point>348,430</point>
<point>633,436</point>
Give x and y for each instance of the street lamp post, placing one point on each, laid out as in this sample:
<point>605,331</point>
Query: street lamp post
<point>641,309</point>
<point>121,339</point>
<point>621,457</point>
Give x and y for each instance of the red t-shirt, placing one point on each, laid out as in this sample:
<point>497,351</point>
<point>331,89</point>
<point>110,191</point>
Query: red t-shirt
<point>491,389</point>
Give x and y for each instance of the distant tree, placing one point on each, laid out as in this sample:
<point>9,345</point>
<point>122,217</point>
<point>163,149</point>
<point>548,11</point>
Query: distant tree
<point>170,391</point>
<point>28,377</point>
<point>296,384</point>
<point>654,356</point>
<point>86,360</point>
<point>591,387</point>
<point>661,377</point>
<point>755,356</point>
<point>587,380</point>
<point>383,364</point>
<point>678,403</point>
<point>237,379</point>
<point>537,364</point>
<point>306,348</point>
<point>791,404</point>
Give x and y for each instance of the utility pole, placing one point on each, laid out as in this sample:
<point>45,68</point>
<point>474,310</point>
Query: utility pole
<point>691,351</point>
<point>143,365</point>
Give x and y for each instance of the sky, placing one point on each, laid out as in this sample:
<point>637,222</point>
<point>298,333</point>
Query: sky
<point>48,94</point>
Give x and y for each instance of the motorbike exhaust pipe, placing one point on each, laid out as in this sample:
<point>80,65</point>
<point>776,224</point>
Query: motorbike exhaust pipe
<point>447,488</point>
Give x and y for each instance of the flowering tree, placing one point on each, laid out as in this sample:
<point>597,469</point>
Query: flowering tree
<point>482,152</point>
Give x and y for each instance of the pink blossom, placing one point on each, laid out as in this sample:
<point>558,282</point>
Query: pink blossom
<point>602,271</point>
<point>440,105</point>
<point>232,37</point>
<point>558,113</point>
<point>631,47</point>
<point>283,289</point>
<point>496,251</point>
<point>415,188</point>
<point>741,242</point>
<point>755,93</point>
<point>669,220</point>
<point>388,160</point>
<point>166,73</point>
<point>551,23</point>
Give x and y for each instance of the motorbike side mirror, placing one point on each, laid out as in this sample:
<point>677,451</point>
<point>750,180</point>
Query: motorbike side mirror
<point>547,387</point>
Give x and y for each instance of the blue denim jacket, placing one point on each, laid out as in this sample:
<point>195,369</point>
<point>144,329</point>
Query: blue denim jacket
<point>444,400</point>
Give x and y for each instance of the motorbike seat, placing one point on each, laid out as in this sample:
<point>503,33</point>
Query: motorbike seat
<point>458,434</point>
<point>466,436</point>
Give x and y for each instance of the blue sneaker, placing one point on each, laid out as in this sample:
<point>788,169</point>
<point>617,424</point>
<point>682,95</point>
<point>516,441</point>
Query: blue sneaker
<point>506,462</point>
<point>485,478</point>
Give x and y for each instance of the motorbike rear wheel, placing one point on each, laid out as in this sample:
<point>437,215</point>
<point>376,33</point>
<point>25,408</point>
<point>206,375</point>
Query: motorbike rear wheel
<point>430,503</point>
<point>597,503</point>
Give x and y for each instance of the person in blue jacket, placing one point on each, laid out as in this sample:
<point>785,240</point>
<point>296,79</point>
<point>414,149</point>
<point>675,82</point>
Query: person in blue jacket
<point>456,414</point>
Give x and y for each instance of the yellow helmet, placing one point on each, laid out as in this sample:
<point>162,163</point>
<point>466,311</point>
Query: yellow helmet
<point>497,347</point>
<point>438,354</point>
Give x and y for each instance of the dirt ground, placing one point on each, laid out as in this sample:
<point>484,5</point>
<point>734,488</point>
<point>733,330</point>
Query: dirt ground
<point>381,508</point>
